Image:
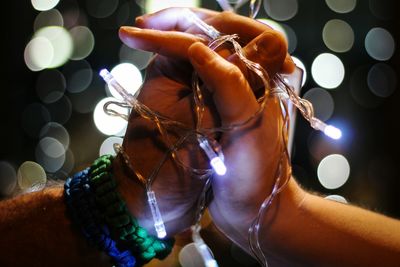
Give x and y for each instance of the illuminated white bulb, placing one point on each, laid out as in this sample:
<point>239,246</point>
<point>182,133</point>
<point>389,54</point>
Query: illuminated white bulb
<point>218,165</point>
<point>328,130</point>
<point>155,211</point>
<point>215,161</point>
<point>333,132</point>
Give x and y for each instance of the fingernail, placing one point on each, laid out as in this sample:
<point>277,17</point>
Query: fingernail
<point>200,53</point>
<point>129,29</point>
<point>139,20</point>
<point>269,44</point>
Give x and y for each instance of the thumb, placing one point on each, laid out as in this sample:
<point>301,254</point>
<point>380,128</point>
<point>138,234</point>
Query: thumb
<point>231,92</point>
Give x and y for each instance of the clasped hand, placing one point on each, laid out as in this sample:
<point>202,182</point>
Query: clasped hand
<point>252,152</point>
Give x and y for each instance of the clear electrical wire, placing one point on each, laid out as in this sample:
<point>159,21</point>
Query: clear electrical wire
<point>203,135</point>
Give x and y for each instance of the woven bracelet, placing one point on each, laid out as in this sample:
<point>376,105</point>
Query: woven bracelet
<point>117,216</point>
<point>83,209</point>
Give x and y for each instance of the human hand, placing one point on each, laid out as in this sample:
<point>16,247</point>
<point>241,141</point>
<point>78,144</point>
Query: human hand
<point>251,153</point>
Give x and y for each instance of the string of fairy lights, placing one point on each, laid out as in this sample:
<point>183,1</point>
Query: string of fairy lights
<point>63,40</point>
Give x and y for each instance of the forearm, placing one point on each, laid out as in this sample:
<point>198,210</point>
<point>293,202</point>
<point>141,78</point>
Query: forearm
<point>35,231</point>
<point>314,231</point>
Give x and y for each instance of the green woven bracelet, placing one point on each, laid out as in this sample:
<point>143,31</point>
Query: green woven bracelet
<point>117,216</point>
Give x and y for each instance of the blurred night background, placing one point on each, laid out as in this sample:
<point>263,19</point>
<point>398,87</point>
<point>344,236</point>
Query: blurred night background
<point>350,50</point>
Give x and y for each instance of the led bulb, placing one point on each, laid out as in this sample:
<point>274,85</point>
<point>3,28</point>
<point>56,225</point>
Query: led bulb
<point>328,130</point>
<point>333,132</point>
<point>215,161</point>
<point>113,83</point>
<point>218,165</point>
<point>155,211</point>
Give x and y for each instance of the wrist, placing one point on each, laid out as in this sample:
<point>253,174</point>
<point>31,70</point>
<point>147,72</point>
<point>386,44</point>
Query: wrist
<point>275,228</point>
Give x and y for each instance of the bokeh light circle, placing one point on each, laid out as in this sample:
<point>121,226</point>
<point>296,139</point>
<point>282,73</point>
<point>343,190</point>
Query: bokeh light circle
<point>281,9</point>
<point>379,44</point>
<point>338,35</point>
<point>61,110</point>
<point>8,178</point>
<point>109,125</point>
<point>341,6</point>
<point>337,198</point>
<point>78,74</point>
<point>333,171</point>
<point>189,256</point>
<point>83,40</point>
<point>382,80</point>
<point>51,17</point>
<point>327,70</point>
<point>30,176</point>
<point>38,54</point>
<point>107,147</point>
<point>301,65</point>
<point>43,5</point>
<point>360,91</point>
<point>58,132</point>
<point>322,101</point>
<point>50,154</point>
<point>61,43</point>
<point>151,6</point>
<point>50,85</point>
<point>129,76</point>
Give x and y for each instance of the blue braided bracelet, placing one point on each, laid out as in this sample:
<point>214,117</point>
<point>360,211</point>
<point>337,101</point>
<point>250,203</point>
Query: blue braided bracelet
<point>83,209</point>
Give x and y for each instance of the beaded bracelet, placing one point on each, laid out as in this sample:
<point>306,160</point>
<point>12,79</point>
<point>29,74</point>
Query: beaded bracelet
<point>115,212</point>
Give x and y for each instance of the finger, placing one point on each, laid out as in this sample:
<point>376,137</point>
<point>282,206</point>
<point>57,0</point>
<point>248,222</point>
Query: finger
<point>226,22</point>
<point>166,43</point>
<point>288,65</point>
<point>269,50</point>
<point>230,90</point>
<point>172,19</point>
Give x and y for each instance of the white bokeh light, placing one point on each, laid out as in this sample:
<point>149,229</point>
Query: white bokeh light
<point>109,125</point>
<point>129,76</point>
<point>43,5</point>
<point>31,176</point>
<point>338,35</point>
<point>333,171</point>
<point>83,40</point>
<point>51,17</point>
<point>281,9</point>
<point>107,147</point>
<point>379,44</point>
<point>337,198</point>
<point>156,5</point>
<point>341,6</point>
<point>61,43</point>
<point>38,54</point>
<point>327,70</point>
